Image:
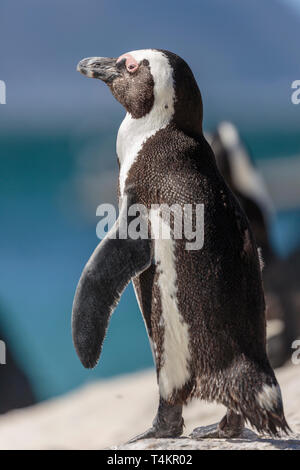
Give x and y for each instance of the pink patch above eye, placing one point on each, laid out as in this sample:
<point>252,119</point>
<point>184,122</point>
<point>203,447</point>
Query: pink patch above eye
<point>131,63</point>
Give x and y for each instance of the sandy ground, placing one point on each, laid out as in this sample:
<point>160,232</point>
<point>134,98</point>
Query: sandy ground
<point>106,414</point>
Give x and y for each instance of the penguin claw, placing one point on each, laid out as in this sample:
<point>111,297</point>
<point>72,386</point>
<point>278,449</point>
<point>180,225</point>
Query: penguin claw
<point>214,431</point>
<point>232,425</point>
<point>144,435</point>
<point>155,433</point>
<point>206,432</point>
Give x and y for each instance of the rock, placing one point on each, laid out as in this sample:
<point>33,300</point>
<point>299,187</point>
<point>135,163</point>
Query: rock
<point>249,441</point>
<point>108,413</point>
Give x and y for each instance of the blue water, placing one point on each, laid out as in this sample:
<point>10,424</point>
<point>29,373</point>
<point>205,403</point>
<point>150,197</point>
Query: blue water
<point>44,245</point>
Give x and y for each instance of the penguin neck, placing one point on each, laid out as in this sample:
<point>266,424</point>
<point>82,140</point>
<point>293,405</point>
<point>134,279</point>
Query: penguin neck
<point>133,133</point>
<point>132,129</point>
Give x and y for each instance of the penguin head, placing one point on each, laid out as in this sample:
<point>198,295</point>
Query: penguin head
<point>151,82</point>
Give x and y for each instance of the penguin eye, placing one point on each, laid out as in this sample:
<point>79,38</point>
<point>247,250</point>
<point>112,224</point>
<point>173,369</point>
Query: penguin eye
<point>131,66</point>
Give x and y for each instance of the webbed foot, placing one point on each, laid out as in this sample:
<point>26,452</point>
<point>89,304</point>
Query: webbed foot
<point>230,426</point>
<point>167,423</point>
<point>158,433</point>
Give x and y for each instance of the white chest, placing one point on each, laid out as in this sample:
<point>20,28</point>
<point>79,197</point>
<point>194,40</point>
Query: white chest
<point>132,134</point>
<point>176,357</point>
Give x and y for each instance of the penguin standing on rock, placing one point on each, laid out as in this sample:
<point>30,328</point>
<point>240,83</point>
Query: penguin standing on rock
<point>203,308</point>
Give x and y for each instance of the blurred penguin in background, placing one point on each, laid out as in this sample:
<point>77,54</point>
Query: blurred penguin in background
<point>244,179</point>
<point>15,388</point>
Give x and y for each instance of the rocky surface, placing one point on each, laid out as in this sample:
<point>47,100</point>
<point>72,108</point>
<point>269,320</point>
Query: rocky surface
<point>248,441</point>
<point>106,414</point>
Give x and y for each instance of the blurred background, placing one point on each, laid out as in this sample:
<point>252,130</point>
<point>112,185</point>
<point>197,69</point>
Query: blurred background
<point>58,163</point>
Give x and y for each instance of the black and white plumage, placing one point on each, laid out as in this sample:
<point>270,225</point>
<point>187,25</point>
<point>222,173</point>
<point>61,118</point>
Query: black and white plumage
<point>204,309</point>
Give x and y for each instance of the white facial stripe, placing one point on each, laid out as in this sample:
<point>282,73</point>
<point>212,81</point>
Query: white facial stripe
<point>174,373</point>
<point>134,132</point>
<point>162,74</point>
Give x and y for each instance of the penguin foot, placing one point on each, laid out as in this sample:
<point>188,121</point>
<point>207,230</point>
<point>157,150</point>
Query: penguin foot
<point>158,433</point>
<point>167,423</point>
<point>230,426</point>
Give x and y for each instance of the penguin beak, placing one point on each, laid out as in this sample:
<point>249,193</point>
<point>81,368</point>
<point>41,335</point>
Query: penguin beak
<point>104,68</point>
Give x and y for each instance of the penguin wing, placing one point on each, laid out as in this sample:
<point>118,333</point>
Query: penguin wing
<point>111,267</point>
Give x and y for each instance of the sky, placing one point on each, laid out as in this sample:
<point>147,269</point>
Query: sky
<point>293,3</point>
<point>244,56</point>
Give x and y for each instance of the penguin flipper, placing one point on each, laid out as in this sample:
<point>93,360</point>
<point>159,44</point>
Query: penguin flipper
<point>111,267</point>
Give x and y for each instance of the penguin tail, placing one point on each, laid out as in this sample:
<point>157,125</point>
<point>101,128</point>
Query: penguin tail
<point>265,413</point>
<point>270,418</point>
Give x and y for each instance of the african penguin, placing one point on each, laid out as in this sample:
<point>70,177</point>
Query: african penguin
<point>204,309</point>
